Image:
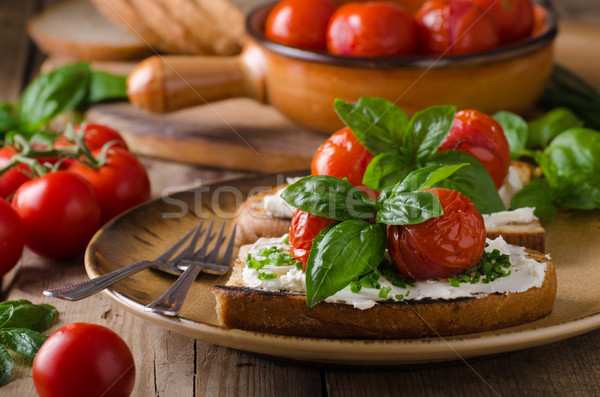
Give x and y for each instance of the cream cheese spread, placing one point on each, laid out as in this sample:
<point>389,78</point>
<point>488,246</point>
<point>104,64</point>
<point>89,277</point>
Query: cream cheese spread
<point>526,273</point>
<point>518,216</point>
<point>512,184</point>
<point>274,204</point>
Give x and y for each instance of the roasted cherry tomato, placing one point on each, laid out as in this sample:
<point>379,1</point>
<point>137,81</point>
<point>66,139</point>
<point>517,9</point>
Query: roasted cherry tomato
<point>95,136</point>
<point>305,227</point>
<point>342,156</point>
<point>514,18</point>
<point>83,359</point>
<point>455,27</point>
<point>12,237</point>
<point>60,213</point>
<point>300,23</point>
<point>442,246</point>
<point>121,183</point>
<point>482,137</point>
<point>372,29</point>
<point>14,177</point>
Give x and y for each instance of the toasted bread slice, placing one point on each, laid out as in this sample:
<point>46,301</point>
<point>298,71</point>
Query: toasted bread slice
<point>286,313</point>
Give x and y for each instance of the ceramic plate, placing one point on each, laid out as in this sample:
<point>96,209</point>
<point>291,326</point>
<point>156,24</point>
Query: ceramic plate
<point>573,240</point>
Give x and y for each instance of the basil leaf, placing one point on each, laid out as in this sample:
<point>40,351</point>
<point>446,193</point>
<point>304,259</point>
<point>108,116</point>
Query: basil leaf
<point>578,191</point>
<point>428,176</point>
<point>409,208</point>
<point>474,181</point>
<point>385,170</point>
<point>515,131</point>
<point>330,197</point>
<point>427,130</point>
<point>35,317</point>
<point>8,120</point>
<point>105,86</point>
<point>23,341</point>
<point>52,93</point>
<point>341,253</point>
<point>576,150</point>
<point>536,194</point>
<point>6,365</point>
<point>377,123</point>
<point>543,129</point>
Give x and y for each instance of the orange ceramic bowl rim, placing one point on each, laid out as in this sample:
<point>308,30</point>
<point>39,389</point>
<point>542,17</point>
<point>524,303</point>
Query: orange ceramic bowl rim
<point>544,33</point>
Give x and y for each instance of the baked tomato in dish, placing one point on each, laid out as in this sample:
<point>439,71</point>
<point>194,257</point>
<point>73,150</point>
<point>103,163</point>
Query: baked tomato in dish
<point>84,359</point>
<point>442,246</point>
<point>451,27</point>
<point>482,137</point>
<point>514,18</point>
<point>342,156</point>
<point>300,23</point>
<point>372,29</point>
<point>303,230</point>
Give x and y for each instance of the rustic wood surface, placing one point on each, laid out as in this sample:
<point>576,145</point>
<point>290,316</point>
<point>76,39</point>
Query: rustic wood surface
<point>172,365</point>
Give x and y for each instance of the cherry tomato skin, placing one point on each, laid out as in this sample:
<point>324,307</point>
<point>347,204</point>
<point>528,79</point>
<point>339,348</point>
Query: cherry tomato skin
<point>121,183</point>
<point>439,247</point>
<point>83,359</point>
<point>12,237</point>
<point>60,214</point>
<point>372,29</point>
<point>305,227</point>
<point>300,23</point>
<point>482,137</point>
<point>450,27</point>
<point>514,18</point>
<point>342,156</point>
<point>95,136</point>
<point>13,178</point>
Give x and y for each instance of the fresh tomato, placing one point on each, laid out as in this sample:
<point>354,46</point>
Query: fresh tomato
<point>121,183</point>
<point>342,156</point>
<point>443,246</point>
<point>372,29</point>
<point>514,18</point>
<point>95,136</point>
<point>60,213</point>
<point>12,237</point>
<point>305,227</point>
<point>14,177</point>
<point>448,27</point>
<point>83,359</point>
<point>300,23</point>
<point>482,137</point>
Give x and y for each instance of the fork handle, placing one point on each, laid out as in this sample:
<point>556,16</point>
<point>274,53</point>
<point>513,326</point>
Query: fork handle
<point>90,287</point>
<point>171,301</point>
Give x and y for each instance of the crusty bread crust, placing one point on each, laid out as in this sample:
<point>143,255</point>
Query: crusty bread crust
<point>531,235</point>
<point>287,314</point>
<point>253,221</point>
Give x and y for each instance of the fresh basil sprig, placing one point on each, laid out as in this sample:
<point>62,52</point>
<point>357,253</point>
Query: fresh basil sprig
<point>66,88</point>
<point>21,324</point>
<point>347,250</point>
<point>402,145</point>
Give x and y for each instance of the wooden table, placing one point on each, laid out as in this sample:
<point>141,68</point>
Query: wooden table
<point>172,365</point>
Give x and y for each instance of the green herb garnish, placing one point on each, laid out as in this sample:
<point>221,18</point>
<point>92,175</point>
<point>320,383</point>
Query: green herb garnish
<point>490,267</point>
<point>274,256</point>
<point>266,276</point>
<point>384,292</point>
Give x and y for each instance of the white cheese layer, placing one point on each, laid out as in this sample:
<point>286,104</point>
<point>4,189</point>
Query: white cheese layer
<point>512,184</point>
<point>518,216</point>
<point>274,204</point>
<point>526,273</point>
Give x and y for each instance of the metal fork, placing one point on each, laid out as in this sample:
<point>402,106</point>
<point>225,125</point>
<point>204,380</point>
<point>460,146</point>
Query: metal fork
<point>171,301</point>
<point>87,288</point>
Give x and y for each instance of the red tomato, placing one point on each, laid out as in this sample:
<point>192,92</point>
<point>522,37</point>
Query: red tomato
<point>305,227</point>
<point>121,183</point>
<point>342,156</point>
<point>373,29</point>
<point>300,23</point>
<point>443,246</point>
<point>455,27</point>
<point>95,136</point>
<point>59,212</point>
<point>514,18</point>
<point>12,237</point>
<point>84,360</point>
<point>482,137</point>
<point>14,177</point>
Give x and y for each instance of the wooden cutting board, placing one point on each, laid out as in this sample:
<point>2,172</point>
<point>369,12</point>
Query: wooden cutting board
<point>243,134</point>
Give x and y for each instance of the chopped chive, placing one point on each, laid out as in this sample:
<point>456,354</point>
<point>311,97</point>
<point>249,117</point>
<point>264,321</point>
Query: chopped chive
<point>384,292</point>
